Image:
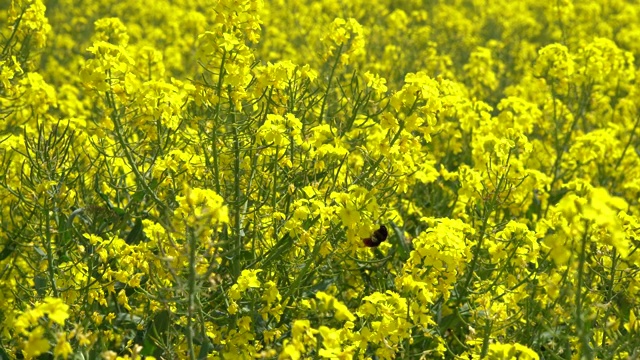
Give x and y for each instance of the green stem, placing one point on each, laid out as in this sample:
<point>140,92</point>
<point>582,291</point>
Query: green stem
<point>191,286</point>
<point>609,294</point>
<point>237,202</point>
<point>214,134</point>
<point>127,152</point>
<point>485,340</point>
<point>326,94</point>
<point>585,350</point>
<point>50,261</point>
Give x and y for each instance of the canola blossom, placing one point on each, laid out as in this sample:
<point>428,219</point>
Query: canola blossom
<point>249,179</point>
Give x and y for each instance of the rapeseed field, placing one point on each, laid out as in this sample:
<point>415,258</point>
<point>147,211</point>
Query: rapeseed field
<point>291,179</point>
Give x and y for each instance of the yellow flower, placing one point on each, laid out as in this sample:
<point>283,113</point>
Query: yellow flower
<point>57,310</point>
<point>499,351</point>
<point>249,279</point>
<point>633,325</point>
<point>36,344</point>
<point>349,215</point>
<point>63,348</point>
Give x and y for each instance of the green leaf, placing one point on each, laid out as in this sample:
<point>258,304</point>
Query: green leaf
<point>156,332</point>
<point>403,246</point>
<point>136,233</point>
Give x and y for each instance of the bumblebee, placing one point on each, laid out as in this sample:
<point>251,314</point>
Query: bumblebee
<point>377,238</point>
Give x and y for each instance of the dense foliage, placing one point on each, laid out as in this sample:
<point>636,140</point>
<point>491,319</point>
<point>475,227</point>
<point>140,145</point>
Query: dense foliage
<point>195,178</point>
